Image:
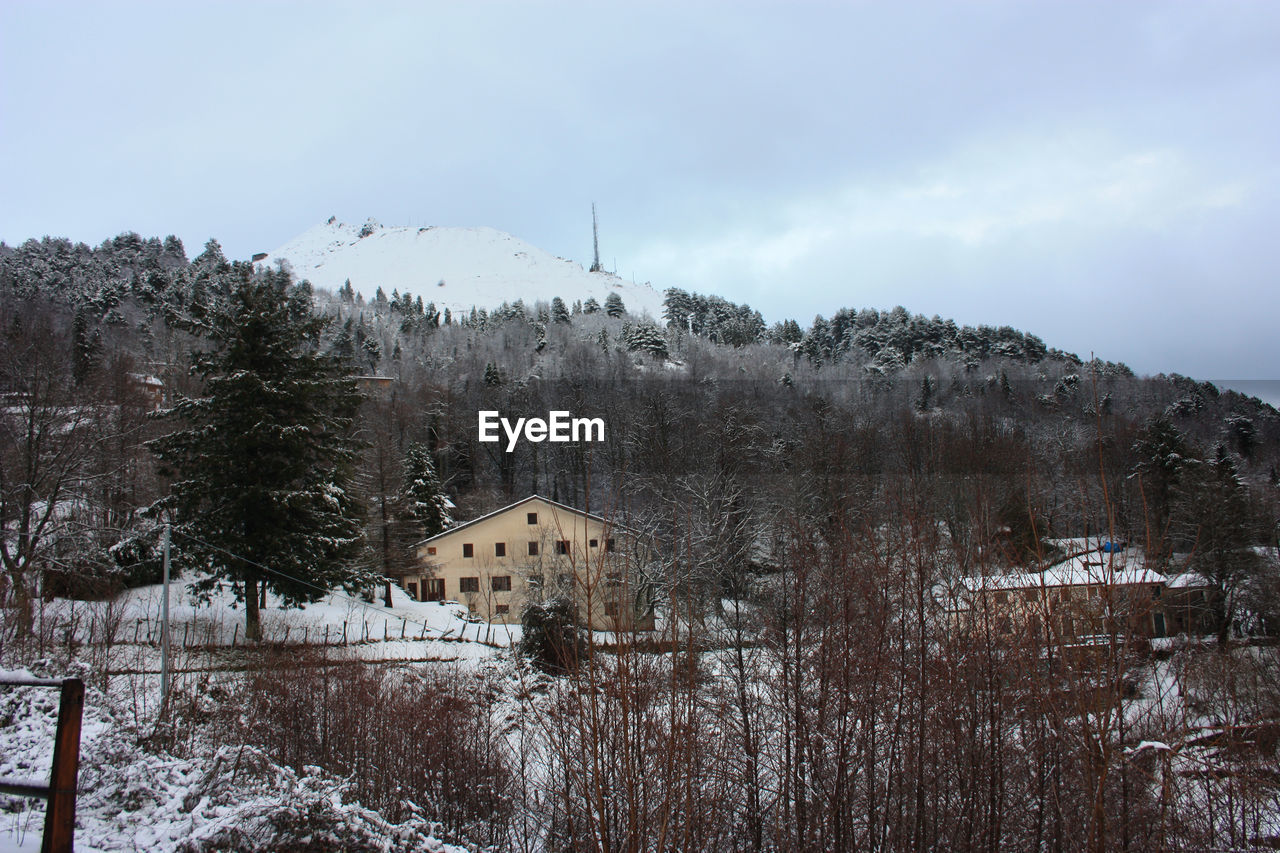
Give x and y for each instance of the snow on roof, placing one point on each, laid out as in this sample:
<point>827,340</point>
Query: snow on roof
<point>564,507</point>
<point>1187,580</point>
<point>458,268</point>
<point>1086,569</point>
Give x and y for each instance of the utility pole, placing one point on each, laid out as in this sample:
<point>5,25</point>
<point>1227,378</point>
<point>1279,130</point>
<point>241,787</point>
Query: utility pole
<point>595,239</point>
<point>164,627</point>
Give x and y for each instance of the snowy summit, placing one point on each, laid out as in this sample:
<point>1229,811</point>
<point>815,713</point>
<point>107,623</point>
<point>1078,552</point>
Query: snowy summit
<point>457,268</point>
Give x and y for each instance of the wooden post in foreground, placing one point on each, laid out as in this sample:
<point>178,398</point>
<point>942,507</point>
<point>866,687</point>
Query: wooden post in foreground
<point>60,817</point>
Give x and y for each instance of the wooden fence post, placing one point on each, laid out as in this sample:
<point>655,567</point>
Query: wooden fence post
<point>60,818</point>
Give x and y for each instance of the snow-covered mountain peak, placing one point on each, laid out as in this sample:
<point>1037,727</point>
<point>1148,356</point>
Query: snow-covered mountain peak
<point>458,268</point>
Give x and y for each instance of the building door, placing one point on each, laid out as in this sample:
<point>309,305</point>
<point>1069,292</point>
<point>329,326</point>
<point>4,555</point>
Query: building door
<point>1159,620</point>
<point>413,590</point>
<point>433,589</point>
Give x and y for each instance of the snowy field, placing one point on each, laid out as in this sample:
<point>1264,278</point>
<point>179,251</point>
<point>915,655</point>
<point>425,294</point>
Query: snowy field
<point>407,630</point>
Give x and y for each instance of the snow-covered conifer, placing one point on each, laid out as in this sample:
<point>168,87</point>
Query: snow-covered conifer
<point>261,459</point>
<point>427,504</point>
<point>613,305</point>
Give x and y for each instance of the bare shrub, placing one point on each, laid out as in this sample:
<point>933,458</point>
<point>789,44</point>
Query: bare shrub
<point>412,743</point>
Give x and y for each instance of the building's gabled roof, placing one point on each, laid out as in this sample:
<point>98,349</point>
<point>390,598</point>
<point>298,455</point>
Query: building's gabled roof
<point>1188,580</point>
<point>1087,569</point>
<point>467,524</point>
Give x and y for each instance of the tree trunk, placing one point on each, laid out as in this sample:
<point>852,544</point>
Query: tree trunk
<point>252,625</point>
<point>20,605</point>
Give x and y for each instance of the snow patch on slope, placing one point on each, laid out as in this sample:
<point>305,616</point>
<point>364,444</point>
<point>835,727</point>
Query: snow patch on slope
<point>457,268</point>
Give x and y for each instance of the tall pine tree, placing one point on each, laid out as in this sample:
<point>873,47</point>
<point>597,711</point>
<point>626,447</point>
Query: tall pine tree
<point>262,460</point>
<point>613,306</point>
<point>427,503</point>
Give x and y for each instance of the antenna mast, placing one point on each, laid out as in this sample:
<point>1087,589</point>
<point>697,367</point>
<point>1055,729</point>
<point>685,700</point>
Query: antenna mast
<point>595,239</point>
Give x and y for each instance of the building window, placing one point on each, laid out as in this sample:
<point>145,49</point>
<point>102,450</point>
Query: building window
<point>533,518</point>
<point>594,543</point>
<point>502,583</point>
<point>611,608</point>
<point>1002,597</point>
<point>609,544</point>
<point>499,549</point>
<point>562,546</point>
<point>468,584</point>
<point>468,549</point>
<point>431,550</point>
<point>533,549</point>
<point>501,609</point>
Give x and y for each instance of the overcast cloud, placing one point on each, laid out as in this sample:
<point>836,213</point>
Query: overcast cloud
<point>1104,175</point>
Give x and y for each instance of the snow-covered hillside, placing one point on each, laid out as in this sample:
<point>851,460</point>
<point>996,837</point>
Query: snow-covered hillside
<point>457,268</point>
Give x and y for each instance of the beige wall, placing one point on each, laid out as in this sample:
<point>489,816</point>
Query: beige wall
<point>592,574</point>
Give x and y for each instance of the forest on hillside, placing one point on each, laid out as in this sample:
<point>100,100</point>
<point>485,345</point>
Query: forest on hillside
<point>810,489</point>
<point>706,405</point>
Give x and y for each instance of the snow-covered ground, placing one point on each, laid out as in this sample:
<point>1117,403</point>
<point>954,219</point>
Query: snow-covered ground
<point>458,268</point>
<point>135,799</point>
<point>407,630</point>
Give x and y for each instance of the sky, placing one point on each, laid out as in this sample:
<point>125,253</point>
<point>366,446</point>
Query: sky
<point>1105,175</point>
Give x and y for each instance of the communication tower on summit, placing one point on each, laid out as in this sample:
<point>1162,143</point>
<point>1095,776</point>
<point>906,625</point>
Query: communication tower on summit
<point>595,239</point>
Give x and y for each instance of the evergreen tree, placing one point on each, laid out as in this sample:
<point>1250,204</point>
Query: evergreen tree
<point>925,400</point>
<point>1163,458</point>
<point>373,352</point>
<point>492,376</point>
<point>344,343</point>
<point>645,337</point>
<point>613,306</point>
<point>553,639</point>
<point>262,460</point>
<point>346,293</point>
<point>677,306</point>
<point>87,348</point>
<point>1214,520</point>
<point>559,313</point>
<point>591,306</point>
<point>427,504</point>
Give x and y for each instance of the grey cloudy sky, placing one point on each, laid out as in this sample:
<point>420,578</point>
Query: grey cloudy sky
<point>1104,175</point>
